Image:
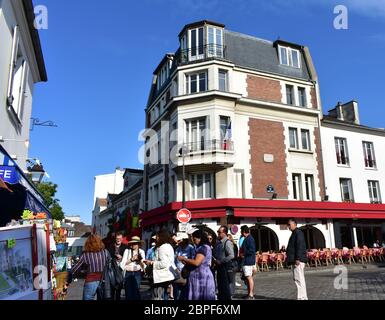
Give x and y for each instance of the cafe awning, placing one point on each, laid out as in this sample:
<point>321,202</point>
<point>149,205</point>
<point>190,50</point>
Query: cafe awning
<point>17,192</point>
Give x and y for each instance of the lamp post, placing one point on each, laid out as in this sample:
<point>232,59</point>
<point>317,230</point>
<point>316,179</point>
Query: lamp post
<point>183,152</point>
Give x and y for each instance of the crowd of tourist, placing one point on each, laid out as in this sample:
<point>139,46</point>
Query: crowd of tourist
<point>194,266</point>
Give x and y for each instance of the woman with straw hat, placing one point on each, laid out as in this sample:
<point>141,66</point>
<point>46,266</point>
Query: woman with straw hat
<point>133,266</point>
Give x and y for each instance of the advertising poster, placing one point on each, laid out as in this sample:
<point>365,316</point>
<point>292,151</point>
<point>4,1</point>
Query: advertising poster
<point>16,277</point>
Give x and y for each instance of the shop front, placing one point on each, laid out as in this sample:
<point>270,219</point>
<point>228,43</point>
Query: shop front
<point>18,195</point>
<point>325,224</point>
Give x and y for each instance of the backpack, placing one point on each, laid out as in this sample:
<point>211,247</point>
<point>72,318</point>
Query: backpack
<point>112,278</point>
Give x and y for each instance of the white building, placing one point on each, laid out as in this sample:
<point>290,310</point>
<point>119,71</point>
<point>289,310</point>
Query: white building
<point>112,183</point>
<point>248,113</point>
<point>121,207</point>
<point>21,67</point>
<point>354,164</point>
<point>247,110</point>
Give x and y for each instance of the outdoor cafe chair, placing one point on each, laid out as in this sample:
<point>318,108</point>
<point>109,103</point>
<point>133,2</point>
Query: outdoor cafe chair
<point>327,257</point>
<point>279,260</point>
<point>315,258</point>
<point>265,262</point>
<point>350,257</point>
<point>362,256</point>
<point>338,257</point>
<point>370,255</point>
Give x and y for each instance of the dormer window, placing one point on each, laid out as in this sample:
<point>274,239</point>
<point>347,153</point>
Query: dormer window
<point>289,57</point>
<point>163,75</point>
<point>215,42</point>
<point>201,40</point>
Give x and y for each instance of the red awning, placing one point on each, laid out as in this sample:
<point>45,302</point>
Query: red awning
<point>216,208</point>
<point>304,209</point>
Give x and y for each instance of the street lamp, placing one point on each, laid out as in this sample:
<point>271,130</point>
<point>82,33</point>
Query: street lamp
<point>183,151</point>
<point>36,171</point>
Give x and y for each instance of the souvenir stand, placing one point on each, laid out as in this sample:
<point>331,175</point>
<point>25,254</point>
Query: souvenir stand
<point>25,261</point>
<point>25,224</point>
<point>60,261</point>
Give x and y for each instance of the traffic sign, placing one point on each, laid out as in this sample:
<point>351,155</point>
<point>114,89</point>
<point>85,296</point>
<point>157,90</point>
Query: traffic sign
<point>184,215</point>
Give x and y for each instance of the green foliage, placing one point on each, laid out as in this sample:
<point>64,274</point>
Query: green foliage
<point>48,191</point>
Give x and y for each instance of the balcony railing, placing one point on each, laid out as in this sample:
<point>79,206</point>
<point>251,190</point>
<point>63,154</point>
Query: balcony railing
<point>200,53</point>
<point>209,146</point>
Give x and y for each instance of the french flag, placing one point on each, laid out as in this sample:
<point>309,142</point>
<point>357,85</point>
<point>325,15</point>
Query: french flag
<point>228,137</point>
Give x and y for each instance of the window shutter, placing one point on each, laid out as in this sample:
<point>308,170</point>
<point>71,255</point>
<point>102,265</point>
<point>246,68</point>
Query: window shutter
<point>23,83</point>
<point>15,46</point>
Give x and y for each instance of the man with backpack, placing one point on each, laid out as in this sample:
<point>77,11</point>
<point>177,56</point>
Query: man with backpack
<point>223,257</point>
<point>116,251</point>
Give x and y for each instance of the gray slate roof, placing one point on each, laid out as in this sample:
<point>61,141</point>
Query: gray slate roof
<point>262,55</point>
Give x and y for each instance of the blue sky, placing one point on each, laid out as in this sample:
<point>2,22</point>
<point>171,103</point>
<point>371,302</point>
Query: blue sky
<point>100,56</point>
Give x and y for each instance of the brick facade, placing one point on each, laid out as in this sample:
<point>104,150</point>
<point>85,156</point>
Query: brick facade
<point>264,89</point>
<point>319,162</point>
<point>267,137</point>
<point>314,100</point>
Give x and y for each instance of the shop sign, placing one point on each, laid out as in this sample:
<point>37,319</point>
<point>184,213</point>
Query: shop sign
<point>9,174</point>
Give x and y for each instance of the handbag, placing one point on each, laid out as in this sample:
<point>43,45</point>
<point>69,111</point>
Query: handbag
<point>104,288</point>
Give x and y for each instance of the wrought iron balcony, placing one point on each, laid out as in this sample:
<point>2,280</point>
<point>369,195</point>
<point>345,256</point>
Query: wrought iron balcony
<point>209,146</point>
<point>201,53</point>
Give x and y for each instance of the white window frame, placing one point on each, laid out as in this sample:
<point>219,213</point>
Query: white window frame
<point>297,186</point>
<point>289,56</point>
<point>194,186</point>
<point>17,78</point>
<point>374,184</point>
<point>338,145</point>
<point>366,154</point>
<point>307,136</point>
<point>304,97</point>
<point>197,74</point>
<point>350,187</point>
<point>293,95</point>
<point>239,177</point>
<point>295,130</point>
<point>226,79</point>
<point>195,143</point>
<point>198,55</point>
<point>217,51</point>
<point>309,187</point>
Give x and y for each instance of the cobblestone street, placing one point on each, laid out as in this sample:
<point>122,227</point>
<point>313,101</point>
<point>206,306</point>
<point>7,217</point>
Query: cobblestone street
<point>364,283</point>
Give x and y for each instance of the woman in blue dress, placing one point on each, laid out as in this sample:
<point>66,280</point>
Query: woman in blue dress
<point>201,284</point>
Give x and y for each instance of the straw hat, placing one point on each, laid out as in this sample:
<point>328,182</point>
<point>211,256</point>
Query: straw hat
<point>134,240</point>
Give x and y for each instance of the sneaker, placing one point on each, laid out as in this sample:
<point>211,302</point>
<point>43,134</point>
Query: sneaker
<point>249,298</point>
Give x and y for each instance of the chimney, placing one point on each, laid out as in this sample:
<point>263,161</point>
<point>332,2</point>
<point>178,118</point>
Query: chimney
<point>347,112</point>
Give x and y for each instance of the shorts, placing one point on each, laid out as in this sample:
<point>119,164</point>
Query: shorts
<point>248,271</point>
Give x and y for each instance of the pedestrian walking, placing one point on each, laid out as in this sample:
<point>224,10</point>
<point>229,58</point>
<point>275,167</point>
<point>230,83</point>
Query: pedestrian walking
<point>132,265</point>
<point>248,260</point>
<point>164,269</point>
<point>234,263</point>
<point>296,255</point>
<point>223,256</point>
<point>94,258</point>
<point>201,284</point>
<point>116,251</point>
<point>186,250</point>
